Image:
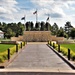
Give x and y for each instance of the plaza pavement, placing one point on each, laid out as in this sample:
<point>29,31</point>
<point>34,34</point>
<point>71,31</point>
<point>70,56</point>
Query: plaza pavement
<point>37,56</point>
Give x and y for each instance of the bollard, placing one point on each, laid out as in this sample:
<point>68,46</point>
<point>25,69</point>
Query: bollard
<point>53,45</point>
<point>68,54</point>
<point>50,43</point>
<point>8,54</point>
<point>58,48</point>
<point>21,44</point>
<point>16,48</point>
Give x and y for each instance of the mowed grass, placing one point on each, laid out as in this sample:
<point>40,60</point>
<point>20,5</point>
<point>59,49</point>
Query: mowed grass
<point>4,47</point>
<point>70,46</point>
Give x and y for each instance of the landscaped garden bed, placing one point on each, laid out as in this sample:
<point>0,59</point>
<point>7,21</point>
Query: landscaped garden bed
<point>13,49</point>
<point>70,46</point>
<point>64,49</point>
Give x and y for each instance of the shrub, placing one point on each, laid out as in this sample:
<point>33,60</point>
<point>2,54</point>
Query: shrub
<point>64,51</point>
<point>23,44</point>
<point>5,57</point>
<point>72,55</point>
<point>19,46</point>
<point>1,59</point>
<point>12,50</point>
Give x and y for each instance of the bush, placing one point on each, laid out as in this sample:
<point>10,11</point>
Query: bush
<point>23,44</point>
<point>65,52</point>
<point>3,55</point>
<point>1,59</point>
<point>72,55</point>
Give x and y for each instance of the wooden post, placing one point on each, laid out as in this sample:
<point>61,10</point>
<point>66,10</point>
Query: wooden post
<point>8,54</point>
<point>58,48</point>
<point>16,48</point>
<point>68,54</point>
<point>21,44</point>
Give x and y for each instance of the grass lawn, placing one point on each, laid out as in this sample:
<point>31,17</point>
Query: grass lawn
<point>4,47</point>
<point>4,39</point>
<point>70,46</point>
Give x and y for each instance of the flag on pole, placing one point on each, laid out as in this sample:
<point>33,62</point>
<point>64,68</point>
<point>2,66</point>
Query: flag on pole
<point>48,19</point>
<point>23,18</point>
<point>35,12</point>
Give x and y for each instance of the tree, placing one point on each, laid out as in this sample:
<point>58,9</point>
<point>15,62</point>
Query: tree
<point>47,26</point>
<point>54,29</point>
<point>9,33</point>
<point>37,26</point>
<point>4,27</point>
<point>68,28</point>
<point>72,34</point>
<point>42,26</point>
<point>60,32</point>
<point>32,26</point>
<point>20,28</point>
<point>0,26</point>
<point>28,26</point>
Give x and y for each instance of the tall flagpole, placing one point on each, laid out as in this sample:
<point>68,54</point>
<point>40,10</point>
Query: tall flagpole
<point>36,16</point>
<point>24,22</point>
<point>47,18</point>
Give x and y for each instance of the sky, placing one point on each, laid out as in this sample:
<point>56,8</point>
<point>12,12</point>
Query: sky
<point>60,11</point>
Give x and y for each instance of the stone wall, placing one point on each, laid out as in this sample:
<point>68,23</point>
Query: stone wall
<point>37,36</point>
<point>20,38</point>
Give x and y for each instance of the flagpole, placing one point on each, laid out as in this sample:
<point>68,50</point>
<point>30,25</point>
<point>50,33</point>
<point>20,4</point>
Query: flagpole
<point>47,18</point>
<point>24,22</point>
<point>36,16</point>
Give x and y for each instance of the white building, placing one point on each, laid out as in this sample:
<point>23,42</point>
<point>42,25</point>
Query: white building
<point>1,34</point>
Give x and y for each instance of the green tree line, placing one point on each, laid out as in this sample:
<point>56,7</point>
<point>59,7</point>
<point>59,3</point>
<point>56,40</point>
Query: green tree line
<point>38,26</point>
<point>16,29</point>
<point>68,31</point>
<point>12,29</point>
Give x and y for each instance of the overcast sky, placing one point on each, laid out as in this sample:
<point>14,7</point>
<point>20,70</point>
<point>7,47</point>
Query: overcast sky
<point>59,11</point>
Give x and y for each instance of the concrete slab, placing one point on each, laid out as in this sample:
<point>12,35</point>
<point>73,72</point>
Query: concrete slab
<point>38,56</point>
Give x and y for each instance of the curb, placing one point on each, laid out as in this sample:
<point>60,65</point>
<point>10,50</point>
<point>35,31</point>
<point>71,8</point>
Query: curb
<point>63,58</point>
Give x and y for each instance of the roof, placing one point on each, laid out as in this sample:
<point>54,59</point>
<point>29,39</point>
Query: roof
<point>1,32</point>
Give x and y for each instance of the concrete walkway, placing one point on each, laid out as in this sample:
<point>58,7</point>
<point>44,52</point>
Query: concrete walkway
<point>38,56</point>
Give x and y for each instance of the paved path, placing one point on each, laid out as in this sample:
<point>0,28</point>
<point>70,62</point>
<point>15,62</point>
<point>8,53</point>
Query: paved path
<point>38,56</point>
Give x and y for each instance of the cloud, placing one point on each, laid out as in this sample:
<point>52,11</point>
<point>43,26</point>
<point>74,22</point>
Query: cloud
<point>7,8</point>
<point>59,10</point>
<point>51,7</point>
<point>42,3</point>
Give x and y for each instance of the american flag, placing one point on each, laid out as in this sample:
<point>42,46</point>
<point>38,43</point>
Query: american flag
<point>35,12</point>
